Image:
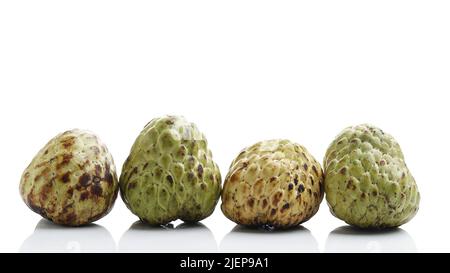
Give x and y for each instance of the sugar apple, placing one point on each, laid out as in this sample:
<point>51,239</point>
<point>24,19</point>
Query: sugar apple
<point>367,182</point>
<point>275,183</point>
<point>170,173</point>
<point>72,180</point>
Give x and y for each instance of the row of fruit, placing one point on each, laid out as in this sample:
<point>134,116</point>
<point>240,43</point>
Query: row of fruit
<point>170,175</point>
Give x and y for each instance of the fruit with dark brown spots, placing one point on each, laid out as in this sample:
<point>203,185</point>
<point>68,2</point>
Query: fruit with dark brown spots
<point>72,180</point>
<point>274,174</point>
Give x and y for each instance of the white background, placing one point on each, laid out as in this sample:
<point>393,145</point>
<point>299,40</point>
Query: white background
<point>243,71</point>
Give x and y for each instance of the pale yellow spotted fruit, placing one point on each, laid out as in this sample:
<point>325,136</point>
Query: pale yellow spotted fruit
<point>276,183</point>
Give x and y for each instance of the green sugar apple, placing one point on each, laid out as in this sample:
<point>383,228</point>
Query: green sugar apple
<point>72,180</point>
<point>170,173</point>
<point>367,182</point>
<point>274,183</point>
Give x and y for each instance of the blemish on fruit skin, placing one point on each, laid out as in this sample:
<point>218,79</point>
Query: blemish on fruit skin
<point>98,170</point>
<point>67,142</point>
<point>131,185</point>
<point>133,172</point>
<point>71,218</point>
<point>285,207</point>
<point>66,177</point>
<point>251,202</point>
<point>315,170</point>
<point>84,179</point>
<point>191,176</point>
<point>316,195</point>
<point>200,171</point>
<point>84,196</point>
<point>301,188</point>
<point>45,191</point>
<point>96,189</point>
<point>265,203</point>
<point>109,177</point>
<point>169,179</point>
<point>67,207</point>
<point>65,160</point>
<point>350,185</point>
<point>70,192</point>
<point>276,198</point>
<point>96,179</point>
<point>234,177</point>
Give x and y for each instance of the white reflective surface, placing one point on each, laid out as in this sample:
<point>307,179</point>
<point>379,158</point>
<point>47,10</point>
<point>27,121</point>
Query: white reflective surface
<point>349,239</point>
<point>49,237</point>
<point>185,237</point>
<point>242,239</point>
<point>242,71</point>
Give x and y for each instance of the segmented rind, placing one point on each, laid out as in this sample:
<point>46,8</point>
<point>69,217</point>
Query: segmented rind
<point>72,180</point>
<point>170,173</point>
<point>275,182</point>
<point>367,182</point>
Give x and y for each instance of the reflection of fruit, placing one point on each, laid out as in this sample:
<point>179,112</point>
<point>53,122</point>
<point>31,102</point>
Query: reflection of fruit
<point>352,239</point>
<point>367,182</point>
<point>186,237</point>
<point>48,237</point>
<point>170,173</point>
<point>243,239</point>
<point>273,182</point>
<point>72,180</point>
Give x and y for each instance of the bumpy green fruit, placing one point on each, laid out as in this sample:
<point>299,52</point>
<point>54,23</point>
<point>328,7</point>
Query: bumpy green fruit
<point>367,182</point>
<point>275,182</point>
<point>170,173</point>
<point>72,180</point>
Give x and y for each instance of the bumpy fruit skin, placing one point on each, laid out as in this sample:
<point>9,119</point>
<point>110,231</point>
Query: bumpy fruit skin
<point>72,180</point>
<point>170,173</point>
<point>275,182</point>
<point>367,182</point>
